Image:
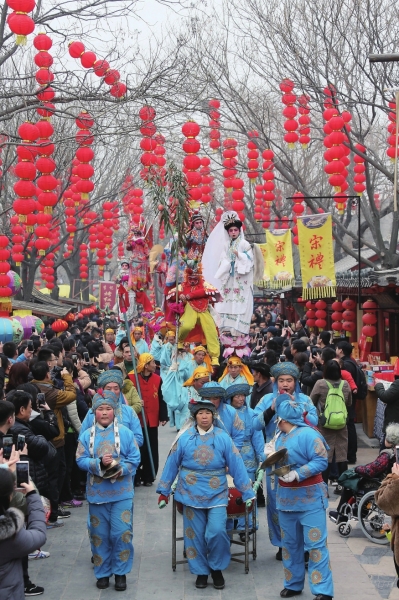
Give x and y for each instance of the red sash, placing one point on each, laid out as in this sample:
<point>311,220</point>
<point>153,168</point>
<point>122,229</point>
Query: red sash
<point>305,483</point>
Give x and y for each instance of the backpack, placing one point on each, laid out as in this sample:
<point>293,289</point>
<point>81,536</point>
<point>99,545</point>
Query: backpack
<point>335,411</point>
<point>360,380</point>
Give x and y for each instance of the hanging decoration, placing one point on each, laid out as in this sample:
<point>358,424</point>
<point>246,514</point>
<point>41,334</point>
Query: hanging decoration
<point>298,209</point>
<point>230,162</point>
<point>207,180</point>
<point>5,279</point>
<point>192,162</point>
<point>20,23</point>
<point>214,124</point>
<point>349,316</point>
<point>304,120</point>
<point>359,170</point>
<point>148,142</point>
<point>310,315</point>
<point>289,112</point>
<point>321,315</point>
<point>336,317</point>
<point>258,202</point>
<point>392,141</point>
<point>369,320</point>
<point>253,155</point>
<point>279,267</point>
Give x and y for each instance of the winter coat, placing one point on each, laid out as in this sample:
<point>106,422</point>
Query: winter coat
<point>84,379</point>
<point>310,377</point>
<point>387,498</point>
<point>132,396</point>
<point>57,399</point>
<point>44,424</point>
<point>38,449</point>
<point>17,542</point>
<point>390,397</point>
<point>73,416</point>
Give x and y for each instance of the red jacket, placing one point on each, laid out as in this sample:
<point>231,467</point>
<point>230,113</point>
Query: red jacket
<point>197,296</point>
<point>150,398</point>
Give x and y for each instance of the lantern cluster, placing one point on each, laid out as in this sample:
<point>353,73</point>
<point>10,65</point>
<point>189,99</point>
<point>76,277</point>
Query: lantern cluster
<point>359,170</point>
<point>310,315</point>
<point>304,120</point>
<point>83,170</point>
<point>336,317</point>
<point>369,319</point>
<point>126,188</point>
<point>393,143</point>
<point>20,23</point>
<point>321,315</point>
<point>18,240</point>
<point>230,162</point>
<point>289,112</point>
<point>83,262</point>
<point>218,214</point>
<point>100,67</point>
<point>298,209</point>
<point>253,155</point>
<point>268,177</point>
<point>47,270</point>
<point>148,142</point>
<point>192,162</point>
<point>136,205</point>
<point>349,316</point>
<point>214,124</point>
<point>25,171</point>
<point>5,279</point>
<point>207,180</point>
<point>258,201</point>
<point>121,250</point>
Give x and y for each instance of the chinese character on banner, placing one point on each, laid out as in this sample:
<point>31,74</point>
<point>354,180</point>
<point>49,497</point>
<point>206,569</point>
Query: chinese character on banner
<point>279,246</point>
<point>316,256</point>
<point>107,295</point>
<point>280,263</point>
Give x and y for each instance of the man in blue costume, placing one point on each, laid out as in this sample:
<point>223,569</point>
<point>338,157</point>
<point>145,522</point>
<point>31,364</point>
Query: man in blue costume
<point>105,446</point>
<point>226,416</point>
<point>237,372</point>
<point>252,450</point>
<point>112,381</point>
<point>138,342</point>
<point>177,395</point>
<point>199,457</point>
<point>286,377</point>
<point>199,357</point>
<point>302,502</point>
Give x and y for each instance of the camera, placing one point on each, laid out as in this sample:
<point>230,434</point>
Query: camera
<point>30,346</point>
<point>20,442</point>
<point>22,468</point>
<point>7,446</point>
<point>41,399</point>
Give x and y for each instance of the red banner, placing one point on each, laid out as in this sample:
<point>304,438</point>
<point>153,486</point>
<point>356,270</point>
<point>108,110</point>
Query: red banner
<point>107,295</point>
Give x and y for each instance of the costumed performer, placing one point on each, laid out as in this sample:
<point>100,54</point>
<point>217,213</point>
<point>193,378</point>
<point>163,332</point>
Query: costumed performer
<point>104,446</point>
<point>286,376</point>
<point>198,357</point>
<point>196,239</point>
<point>112,381</point>
<point>178,395</point>
<point>138,342</point>
<point>155,414</point>
<point>198,296</point>
<point>225,416</point>
<point>234,275</point>
<point>168,352</point>
<point>302,502</point>
<point>199,458</point>
<point>252,449</point>
<point>236,372</point>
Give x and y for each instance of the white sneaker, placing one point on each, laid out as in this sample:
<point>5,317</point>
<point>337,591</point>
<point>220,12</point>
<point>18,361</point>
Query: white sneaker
<point>38,554</point>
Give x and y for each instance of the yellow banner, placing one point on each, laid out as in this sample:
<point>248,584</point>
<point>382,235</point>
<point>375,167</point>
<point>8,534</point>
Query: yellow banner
<point>316,256</point>
<point>265,281</point>
<point>279,265</point>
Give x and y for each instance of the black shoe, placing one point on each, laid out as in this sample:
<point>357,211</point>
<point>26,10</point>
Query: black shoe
<point>147,483</point>
<point>351,461</point>
<point>218,579</point>
<point>322,597</point>
<point>103,583</point>
<point>306,559</point>
<point>287,593</point>
<point>33,590</point>
<point>120,583</point>
<point>202,581</point>
<point>64,514</point>
<point>279,554</point>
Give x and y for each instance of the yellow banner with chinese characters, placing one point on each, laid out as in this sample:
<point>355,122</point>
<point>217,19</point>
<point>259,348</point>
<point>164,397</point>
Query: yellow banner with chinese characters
<point>279,265</point>
<point>265,281</point>
<point>316,256</point>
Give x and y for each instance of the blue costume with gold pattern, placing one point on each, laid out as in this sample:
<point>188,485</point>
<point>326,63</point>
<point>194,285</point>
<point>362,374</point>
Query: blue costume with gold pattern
<point>302,503</point>
<point>200,462</point>
<point>126,416</point>
<point>110,502</point>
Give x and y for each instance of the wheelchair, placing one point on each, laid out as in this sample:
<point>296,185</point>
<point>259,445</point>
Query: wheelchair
<point>360,506</point>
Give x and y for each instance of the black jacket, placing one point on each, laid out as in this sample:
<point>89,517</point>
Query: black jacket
<point>38,449</point>
<point>309,377</point>
<point>390,397</point>
<point>259,391</point>
<point>45,424</point>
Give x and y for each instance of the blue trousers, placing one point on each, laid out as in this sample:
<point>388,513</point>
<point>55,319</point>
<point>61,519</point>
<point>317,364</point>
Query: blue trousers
<point>111,537</point>
<point>206,542</point>
<point>301,531</point>
<point>271,511</point>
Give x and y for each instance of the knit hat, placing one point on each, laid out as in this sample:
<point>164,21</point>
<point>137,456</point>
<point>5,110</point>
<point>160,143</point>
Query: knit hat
<point>392,434</point>
<point>199,373</point>
<point>211,389</point>
<point>111,376</point>
<point>104,397</point>
<point>284,368</point>
<point>195,406</point>
<point>237,388</point>
<point>144,359</point>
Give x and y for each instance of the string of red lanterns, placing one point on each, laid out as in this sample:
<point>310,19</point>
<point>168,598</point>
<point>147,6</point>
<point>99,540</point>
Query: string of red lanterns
<point>148,142</point>
<point>253,155</point>
<point>192,162</point>
<point>214,124</point>
<point>349,316</point>
<point>289,112</point>
<point>336,317</point>
<point>304,120</point>
<point>392,141</point>
<point>359,169</point>
<point>207,180</point>
<point>298,209</point>
<point>5,280</point>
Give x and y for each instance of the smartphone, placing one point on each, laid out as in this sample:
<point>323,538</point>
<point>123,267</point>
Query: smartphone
<point>41,399</point>
<point>285,323</point>
<point>86,356</point>
<point>22,472</point>
<point>20,442</point>
<point>282,357</point>
<point>30,346</point>
<point>75,358</point>
<point>7,446</point>
<point>397,454</point>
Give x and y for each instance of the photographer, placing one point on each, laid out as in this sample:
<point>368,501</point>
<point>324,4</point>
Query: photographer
<point>312,371</point>
<point>5,366</point>
<point>11,351</point>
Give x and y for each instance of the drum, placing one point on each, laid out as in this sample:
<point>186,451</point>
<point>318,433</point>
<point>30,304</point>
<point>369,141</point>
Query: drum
<point>236,505</point>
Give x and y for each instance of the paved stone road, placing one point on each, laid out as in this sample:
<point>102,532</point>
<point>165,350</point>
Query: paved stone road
<point>362,570</point>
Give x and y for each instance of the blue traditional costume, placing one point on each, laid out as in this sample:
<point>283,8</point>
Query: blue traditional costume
<point>302,502</point>
<point>200,458</point>
<point>177,395</point>
<point>245,376</point>
<point>188,365</point>
<point>156,348</point>
<point>124,413</point>
<point>259,423</point>
<point>141,346</point>
<point>110,499</point>
<point>252,450</point>
<point>225,417</point>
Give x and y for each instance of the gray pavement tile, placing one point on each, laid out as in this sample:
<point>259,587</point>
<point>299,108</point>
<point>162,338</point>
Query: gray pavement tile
<point>384,584</point>
<point>368,559</point>
<point>376,551</point>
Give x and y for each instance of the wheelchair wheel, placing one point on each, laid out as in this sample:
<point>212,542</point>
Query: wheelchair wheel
<point>371,519</point>
<point>344,530</point>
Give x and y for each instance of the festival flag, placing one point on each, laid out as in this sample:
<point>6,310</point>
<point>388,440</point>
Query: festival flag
<point>265,281</point>
<point>279,264</point>
<point>107,295</point>
<point>316,256</point>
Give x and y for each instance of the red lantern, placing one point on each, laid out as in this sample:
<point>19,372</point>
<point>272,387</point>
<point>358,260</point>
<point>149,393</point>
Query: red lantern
<point>360,169</point>
<point>304,120</point>
<point>214,124</point>
<point>59,325</point>
<point>290,111</point>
